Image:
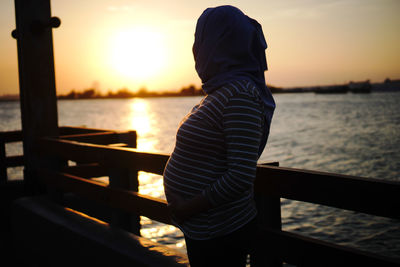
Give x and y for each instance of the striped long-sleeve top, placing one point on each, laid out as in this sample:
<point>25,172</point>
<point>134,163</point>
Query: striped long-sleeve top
<point>216,153</point>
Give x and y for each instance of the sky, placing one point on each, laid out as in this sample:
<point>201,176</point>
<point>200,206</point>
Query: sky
<point>134,44</point>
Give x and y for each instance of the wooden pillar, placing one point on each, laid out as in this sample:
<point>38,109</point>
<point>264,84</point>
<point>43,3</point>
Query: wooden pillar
<point>130,140</point>
<point>269,215</point>
<point>36,80</point>
<point>127,180</point>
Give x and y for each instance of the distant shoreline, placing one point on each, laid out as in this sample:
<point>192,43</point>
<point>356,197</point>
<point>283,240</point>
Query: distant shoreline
<point>353,87</point>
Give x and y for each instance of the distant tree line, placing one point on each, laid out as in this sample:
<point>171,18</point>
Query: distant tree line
<point>388,85</point>
<point>90,93</point>
<point>190,90</point>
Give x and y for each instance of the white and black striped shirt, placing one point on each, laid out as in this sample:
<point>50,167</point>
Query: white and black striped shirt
<point>216,153</point>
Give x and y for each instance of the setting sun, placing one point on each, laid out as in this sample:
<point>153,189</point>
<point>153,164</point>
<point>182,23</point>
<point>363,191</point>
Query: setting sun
<point>138,53</point>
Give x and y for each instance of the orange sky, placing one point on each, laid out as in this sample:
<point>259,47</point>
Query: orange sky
<point>147,43</point>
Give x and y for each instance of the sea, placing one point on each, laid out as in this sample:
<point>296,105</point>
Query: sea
<point>353,134</point>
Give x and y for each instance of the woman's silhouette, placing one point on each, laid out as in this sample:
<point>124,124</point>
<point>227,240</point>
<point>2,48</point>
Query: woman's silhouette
<point>209,177</point>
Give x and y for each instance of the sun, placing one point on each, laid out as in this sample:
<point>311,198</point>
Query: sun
<point>138,53</point>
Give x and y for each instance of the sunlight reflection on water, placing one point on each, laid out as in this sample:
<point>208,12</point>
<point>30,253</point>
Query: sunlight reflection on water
<point>151,185</point>
<point>146,126</point>
<point>140,118</point>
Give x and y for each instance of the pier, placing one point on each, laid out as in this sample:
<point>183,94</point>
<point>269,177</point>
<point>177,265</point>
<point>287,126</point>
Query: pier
<point>61,214</point>
<point>117,204</point>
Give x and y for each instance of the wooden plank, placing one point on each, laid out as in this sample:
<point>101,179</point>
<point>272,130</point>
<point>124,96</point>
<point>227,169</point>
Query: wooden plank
<point>129,201</point>
<point>71,130</point>
<point>306,251</point>
<point>106,156</point>
<point>11,136</point>
<point>372,196</point>
<point>269,163</point>
<point>100,138</point>
<point>104,138</point>
<point>86,170</point>
<point>14,161</point>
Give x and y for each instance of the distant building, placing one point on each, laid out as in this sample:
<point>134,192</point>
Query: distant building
<point>360,87</point>
<point>332,89</point>
<point>387,86</point>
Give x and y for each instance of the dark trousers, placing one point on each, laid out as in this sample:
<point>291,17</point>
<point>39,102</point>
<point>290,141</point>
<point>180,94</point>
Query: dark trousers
<point>229,250</point>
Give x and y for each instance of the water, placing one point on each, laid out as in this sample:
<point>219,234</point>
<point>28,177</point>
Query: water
<point>354,134</point>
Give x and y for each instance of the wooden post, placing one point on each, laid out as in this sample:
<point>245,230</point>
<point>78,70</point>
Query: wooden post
<point>37,81</point>
<point>269,215</point>
<point>127,180</point>
<point>130,140</point>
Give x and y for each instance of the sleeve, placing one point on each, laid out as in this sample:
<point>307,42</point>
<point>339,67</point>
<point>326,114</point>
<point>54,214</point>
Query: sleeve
<point>242,120</point>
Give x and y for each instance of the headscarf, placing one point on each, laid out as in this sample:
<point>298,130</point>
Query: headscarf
<point>230,46</point>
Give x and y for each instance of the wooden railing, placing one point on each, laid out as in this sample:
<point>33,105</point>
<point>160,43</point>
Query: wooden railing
<point>96,136</point>
<point>372,196</point>
<point>97,158</point>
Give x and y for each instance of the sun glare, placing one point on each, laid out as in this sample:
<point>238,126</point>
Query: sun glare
<point>138,53</point>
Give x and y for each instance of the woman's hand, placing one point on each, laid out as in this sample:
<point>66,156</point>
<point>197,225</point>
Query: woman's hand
<point>177,208</point>
<point>181,209</point>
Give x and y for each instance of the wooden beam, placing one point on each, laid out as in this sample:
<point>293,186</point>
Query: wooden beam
<point>71,130</point>
<point>36,71</point>
<point>104,138</point>
<point>86,170</point>
<point>368,195</point>
<point>124,200</point>
<point>37,82</point>
<point>11,136</point>
<point>14,161</point>
<point>114,157</point>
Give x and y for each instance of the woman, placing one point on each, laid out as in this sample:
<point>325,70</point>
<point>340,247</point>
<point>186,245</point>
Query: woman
<point>209,177</point>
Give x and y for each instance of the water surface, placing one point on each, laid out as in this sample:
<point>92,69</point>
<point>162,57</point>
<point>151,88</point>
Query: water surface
<point>354,134</point>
